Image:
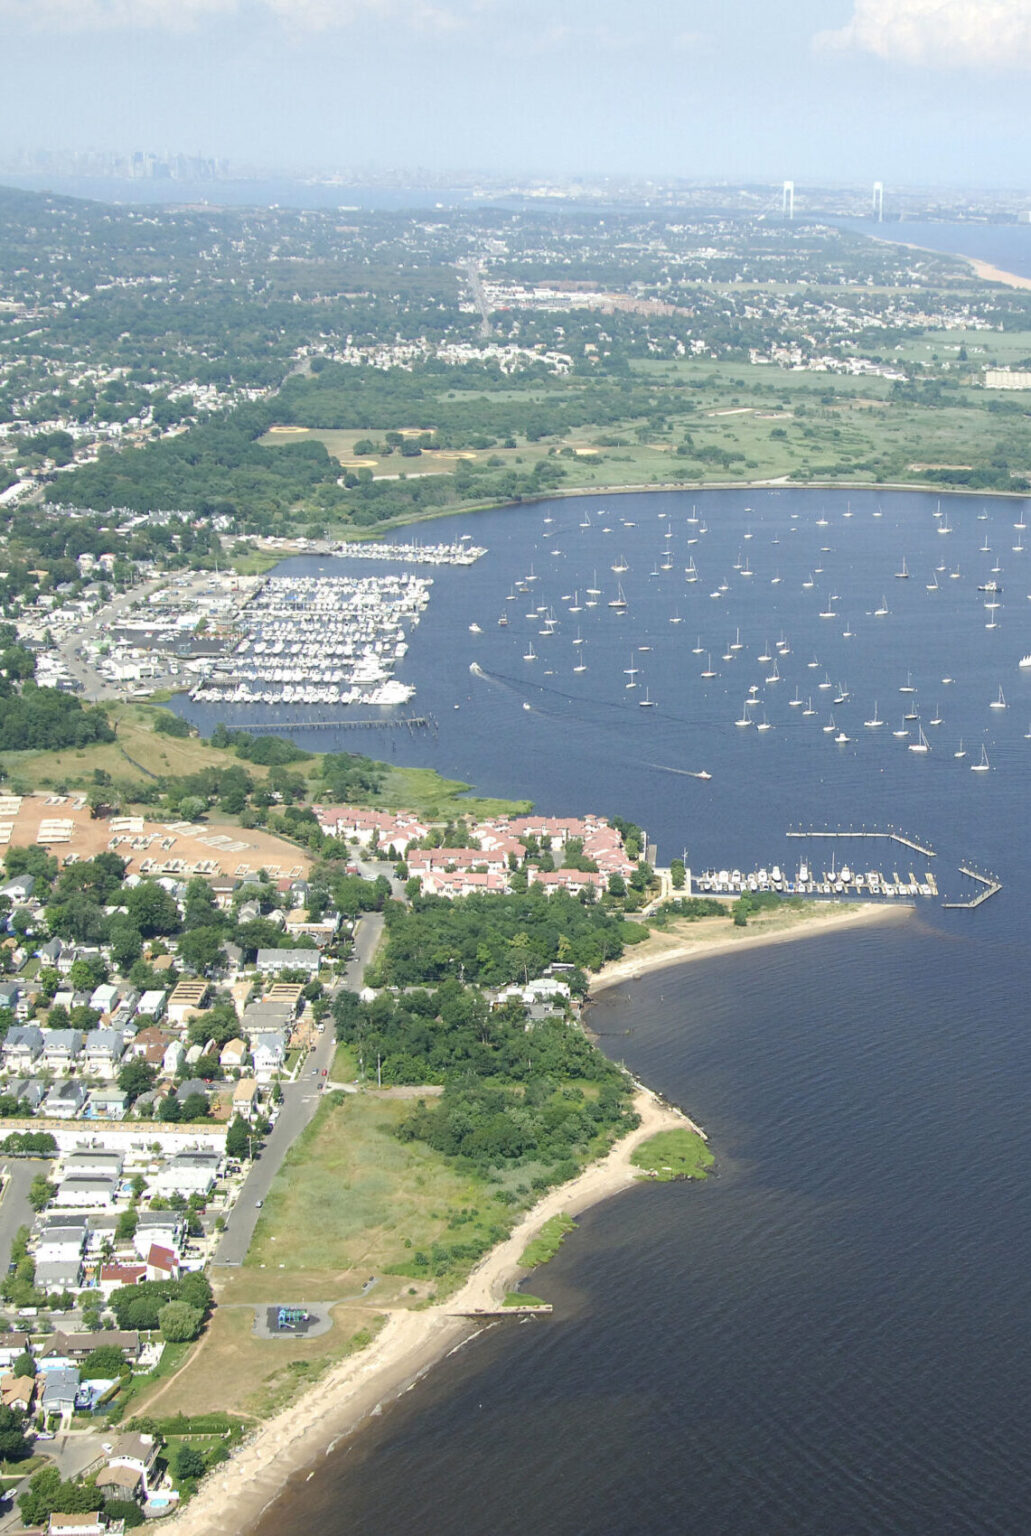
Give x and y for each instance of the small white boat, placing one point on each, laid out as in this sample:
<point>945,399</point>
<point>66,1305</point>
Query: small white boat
<point>961,750</point>
<point>983,765</point>
<point>875,721</point>
<point>902,574</point>
<point>474,629</point>
<point>1025,661</point>
<point>921,744</point>
<point>999,703</point>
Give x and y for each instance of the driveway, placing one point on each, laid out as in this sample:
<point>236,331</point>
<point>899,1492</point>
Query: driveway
<point>300,1101</point>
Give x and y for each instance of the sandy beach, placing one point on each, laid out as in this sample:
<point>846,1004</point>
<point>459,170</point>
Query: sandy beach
<point>716,936</point>
<point>233,1498</point>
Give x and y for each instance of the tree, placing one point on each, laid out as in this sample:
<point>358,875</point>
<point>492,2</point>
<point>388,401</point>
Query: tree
<point>237,1139</point>
<point>104,1363</point>
<point>169,1109</point>
<point>41,1192</point>
<point>201,950</point>
<point>678,874</point>
<point>189,1462</point>
<point>152,909</point>
<point>179,1322</point>
<point>125,1510</point>
<point>125,1227</point>
<point>13,1444</point>
<point>194,1107</point>
<point>135,1077</point>
<point>24,1365</point>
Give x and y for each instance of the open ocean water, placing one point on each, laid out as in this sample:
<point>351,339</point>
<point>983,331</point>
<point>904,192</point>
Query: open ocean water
<point>829,1336</point>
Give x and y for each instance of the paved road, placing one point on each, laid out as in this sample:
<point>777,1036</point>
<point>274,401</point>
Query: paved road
<point>472,273</point>
<point>15,1210</point>
<point>300,1101</point>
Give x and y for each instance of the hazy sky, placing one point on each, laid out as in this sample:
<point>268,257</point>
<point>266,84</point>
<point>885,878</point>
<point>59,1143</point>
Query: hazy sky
<point>901,90</point>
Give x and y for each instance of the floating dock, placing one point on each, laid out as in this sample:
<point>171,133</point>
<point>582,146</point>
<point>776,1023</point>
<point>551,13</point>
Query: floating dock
<point>891,834</point>
<point>870,884</point>
<point>990,888</point>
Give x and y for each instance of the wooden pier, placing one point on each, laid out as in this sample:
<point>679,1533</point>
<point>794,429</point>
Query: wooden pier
<point>989,882</point>
<point>284,727</point>
<point>891,834</point>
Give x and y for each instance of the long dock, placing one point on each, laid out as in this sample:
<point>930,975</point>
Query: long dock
<point>539,1309</point>
<point>282,727</point>
<point>991,887</point>
<point>891,834</point>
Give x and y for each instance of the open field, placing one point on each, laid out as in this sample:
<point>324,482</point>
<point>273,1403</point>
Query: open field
<point>232,1369</point>
<point>668,1155</point>
<point>353,1200</point>
<point>738,421</point>
<point>135,756</point>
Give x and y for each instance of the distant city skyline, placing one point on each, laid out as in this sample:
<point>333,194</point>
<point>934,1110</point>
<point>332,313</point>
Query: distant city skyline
<point>828,91</point>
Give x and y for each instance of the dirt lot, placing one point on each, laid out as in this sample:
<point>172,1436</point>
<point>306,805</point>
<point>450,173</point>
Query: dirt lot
<point>150,847</point>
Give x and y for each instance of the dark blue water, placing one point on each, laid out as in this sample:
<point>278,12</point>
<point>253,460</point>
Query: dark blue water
<point>829,1336</point>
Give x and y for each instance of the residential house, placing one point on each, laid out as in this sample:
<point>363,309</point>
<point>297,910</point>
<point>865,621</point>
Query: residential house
<point>106,1104</point>
<point>30,1091</point>
<point>59,1388</point>
<point>19,889</point>
<point>135,1452</point>
<point>233,1054</point>
<point>65,1101</point>
<point>11,1346</point>
<point>76,1346</point>
<point>187,1173</point>
<point>167,1228</point>
<point>50,953</point>
<point>112,1277</point>
<point>94,1162</point>
<point>269,1053</point>
<point>105,998</point>
<point>151,1005</point>
<point>193,1085</point>
<point>62,1240</point>
<point>84,1525</point>
<point>22,1048</point>
<point>149,1041</point>
<point>245,1098</point>
<point>10,995</point>
<point>271,962</point>
<point>162,1263</point>
<point>61,1049</point>
<point>86,1192</point>
<point>17,1391</point>
<point>174,1058</point>
<point>102,1052</point>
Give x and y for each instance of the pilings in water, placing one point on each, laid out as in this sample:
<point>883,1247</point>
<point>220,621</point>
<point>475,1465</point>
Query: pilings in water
<point>284,727</point>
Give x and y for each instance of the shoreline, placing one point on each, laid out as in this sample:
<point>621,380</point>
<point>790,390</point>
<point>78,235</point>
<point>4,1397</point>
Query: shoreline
<point>234,1498</point>
<point>684,947</point>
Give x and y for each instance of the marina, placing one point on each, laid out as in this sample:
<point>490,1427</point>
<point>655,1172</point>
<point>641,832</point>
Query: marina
<point>870,885</point>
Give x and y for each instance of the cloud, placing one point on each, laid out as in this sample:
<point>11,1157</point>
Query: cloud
<point>937,34</point>
<point>188,15</point>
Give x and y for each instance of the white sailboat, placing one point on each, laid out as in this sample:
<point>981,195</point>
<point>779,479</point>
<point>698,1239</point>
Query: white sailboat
<point>709,672</point>
<point>1000,702</point>
<point>921,744</point>
<point>646,702</point>
<point>902,574</point>
<point>530,654</point>
<point>875,721</point>
<point>983,765</point>
<point>961,750</point>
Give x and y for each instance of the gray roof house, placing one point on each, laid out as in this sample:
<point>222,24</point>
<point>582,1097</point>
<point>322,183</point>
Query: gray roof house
<point>65,1100</point>
<point>58,1274</point>
<point>61,1047</point>
<point>22,1047</point>
<point>102,1051</point>
<point>272,961</point>
<point>59,1388</point>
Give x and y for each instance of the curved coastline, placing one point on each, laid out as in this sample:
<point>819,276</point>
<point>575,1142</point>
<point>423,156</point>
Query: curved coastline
<point>234,1498</point>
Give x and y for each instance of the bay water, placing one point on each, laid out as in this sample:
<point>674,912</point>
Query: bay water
<point>828,1336</point>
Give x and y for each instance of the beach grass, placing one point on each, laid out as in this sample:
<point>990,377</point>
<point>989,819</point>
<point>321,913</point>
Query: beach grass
<point>668,1155</point>
<point>547,1242</point>
<point>518,1299</point>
